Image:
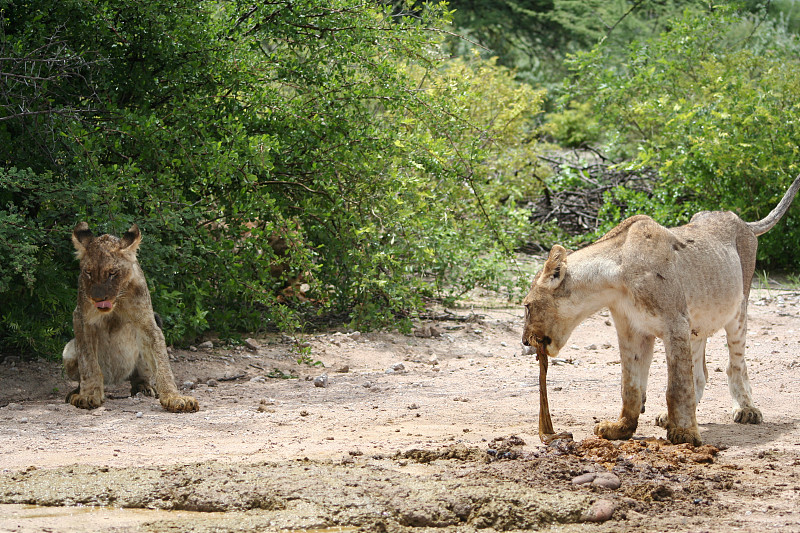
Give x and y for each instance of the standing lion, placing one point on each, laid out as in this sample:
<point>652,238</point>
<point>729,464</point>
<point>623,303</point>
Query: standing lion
<point>116,334</point>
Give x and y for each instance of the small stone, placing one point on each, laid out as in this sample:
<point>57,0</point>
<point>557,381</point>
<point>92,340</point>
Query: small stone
<point>208,345</point>
<point>423,332</point>
<point>607,480</point>
<point>14,407</point>
<point>212,383</point>
<point>397,368</point>
<point>592,347</point>
<point>192,348</point>
<point>99,411</point>
<point>23,420</point>
<point>600,511</point>
<point>321,381</point>
<point>413,406</point>
<point>344,369</point>
<point>188,384</point>
<point>435,331</point>
<point>304,413</point>
<point>53,407</point>
<point>252,345</point>
<point>503,344</point>
<point>355,335</point>
<point>583,479</point>
<point>258,379</point>
<point>139,414</point>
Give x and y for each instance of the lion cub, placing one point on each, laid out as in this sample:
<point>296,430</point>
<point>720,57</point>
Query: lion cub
<point>116,334</point>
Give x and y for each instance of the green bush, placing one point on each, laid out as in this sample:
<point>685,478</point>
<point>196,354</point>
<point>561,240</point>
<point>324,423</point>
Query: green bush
<point>713,105</point>
<point>392,175</point>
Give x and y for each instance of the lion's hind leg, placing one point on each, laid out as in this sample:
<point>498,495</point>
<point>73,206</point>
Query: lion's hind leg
<point>744,410</point>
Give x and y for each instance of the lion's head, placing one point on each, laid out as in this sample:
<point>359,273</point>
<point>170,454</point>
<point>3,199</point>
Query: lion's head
<point>107,265</point>
<point>545,327</point>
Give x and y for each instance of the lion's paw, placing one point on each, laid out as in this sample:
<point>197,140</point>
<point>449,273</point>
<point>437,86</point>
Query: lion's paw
<point>85,401</point>
<point>747,415</point>
<point>179,404</point>
<point>678,435</point>
<point>144,388</point>
<point>661,420</point>
<point>613,430</point>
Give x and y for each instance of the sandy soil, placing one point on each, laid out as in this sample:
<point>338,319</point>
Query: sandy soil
<point>412,433</point>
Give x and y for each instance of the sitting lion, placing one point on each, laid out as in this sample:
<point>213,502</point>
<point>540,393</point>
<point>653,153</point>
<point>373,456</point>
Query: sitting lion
<point>117,337</point>
<point>679,284</point>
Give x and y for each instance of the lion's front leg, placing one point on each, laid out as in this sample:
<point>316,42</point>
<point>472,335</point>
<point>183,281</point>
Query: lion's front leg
<point>81,359</point>
<point>681,423</point>
<point>168,394</point>
<point>636,352</point>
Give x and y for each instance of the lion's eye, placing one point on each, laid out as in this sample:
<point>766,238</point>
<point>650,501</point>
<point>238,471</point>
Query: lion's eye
<point>87,274</point>
<point>113,273</point>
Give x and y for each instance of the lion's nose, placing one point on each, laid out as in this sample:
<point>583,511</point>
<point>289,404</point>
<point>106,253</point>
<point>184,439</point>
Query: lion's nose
<point>525,341</point>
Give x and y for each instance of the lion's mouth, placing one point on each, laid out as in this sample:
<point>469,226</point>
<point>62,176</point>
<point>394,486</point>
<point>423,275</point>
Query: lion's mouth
<point>104,306</point>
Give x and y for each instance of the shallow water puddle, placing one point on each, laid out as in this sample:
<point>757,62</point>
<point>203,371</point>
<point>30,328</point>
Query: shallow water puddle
<point>20,518</point>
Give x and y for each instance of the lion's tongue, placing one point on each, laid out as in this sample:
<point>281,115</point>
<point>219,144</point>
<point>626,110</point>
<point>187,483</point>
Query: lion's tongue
<point>105,304</point>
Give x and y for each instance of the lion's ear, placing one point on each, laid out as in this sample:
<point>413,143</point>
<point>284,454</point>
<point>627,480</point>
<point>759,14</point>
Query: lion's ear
<point>81,236</point>
<point>555,268</point>
<point>131,239</point>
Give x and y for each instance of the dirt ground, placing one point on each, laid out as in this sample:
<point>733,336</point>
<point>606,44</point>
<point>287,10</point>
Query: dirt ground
<point>429,432</point>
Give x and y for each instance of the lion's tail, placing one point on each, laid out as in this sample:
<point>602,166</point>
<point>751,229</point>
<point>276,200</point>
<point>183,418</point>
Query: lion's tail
<point>768,222</point>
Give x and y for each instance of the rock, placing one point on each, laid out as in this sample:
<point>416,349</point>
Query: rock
<point>192,348</point>
<point>139,414</point>
<point>188,385</point>
<point>592,347</point>
<point>397,368</point>
<point>423,332</point>
<point>321,381</point>
<point>344,369</point>
<point>23,420</point>
<point>606,480</point>
<point>583,479</point>
<point>435,331</point>
<point>355,335</point>
<point>14,407</point>
<point>208,345</point>
<point>600,511</point>
<point>413,406</point>
<point>212,383</point>
<point>258,379</point>
<point>251,344</point>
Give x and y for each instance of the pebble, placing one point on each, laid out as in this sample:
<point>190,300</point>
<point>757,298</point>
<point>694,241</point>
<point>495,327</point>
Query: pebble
<point>258,379</point>
<point>355,335</point>
<point>192,348</point>
<point>139,414</point>
<point>212,383</point>
<point>344,369</point>
<point>188,384</point>
<point>208,345</point>
<point>321,381</point>
<point>397,368</point>
<point>600,511</point>
<point>252,345</point>
<point>14,407</point>
<point>592,347</point>
<point>605,480</point>
<point>23,420</point>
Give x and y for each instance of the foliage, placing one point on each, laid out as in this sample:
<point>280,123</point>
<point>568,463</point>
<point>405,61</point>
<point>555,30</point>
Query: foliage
<point>257,146</point>
<point>535,36</point>
<point>713,105</point>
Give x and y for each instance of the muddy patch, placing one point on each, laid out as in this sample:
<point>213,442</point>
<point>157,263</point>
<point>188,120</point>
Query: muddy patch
<point>460,487</point>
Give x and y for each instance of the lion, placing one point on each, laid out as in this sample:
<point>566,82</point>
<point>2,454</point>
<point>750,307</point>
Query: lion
<point>679,284</point>
<point>117,336</point>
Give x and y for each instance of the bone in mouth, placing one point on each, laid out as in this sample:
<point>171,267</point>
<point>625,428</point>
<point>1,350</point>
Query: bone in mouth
<point>546,432</point>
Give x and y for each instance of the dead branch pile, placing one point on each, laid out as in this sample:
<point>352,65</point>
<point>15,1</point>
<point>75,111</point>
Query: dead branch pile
<point>575,209</point>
